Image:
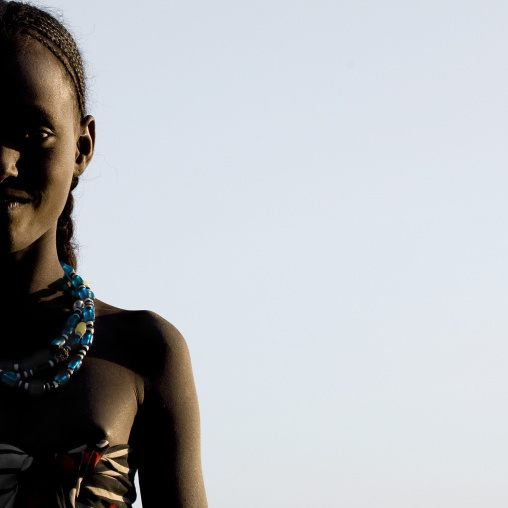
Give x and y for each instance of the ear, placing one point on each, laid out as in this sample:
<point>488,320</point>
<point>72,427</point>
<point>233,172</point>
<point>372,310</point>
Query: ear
<point>84,144</point>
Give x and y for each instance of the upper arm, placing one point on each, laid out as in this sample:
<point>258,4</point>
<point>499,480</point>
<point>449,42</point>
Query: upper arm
<point>167,427</point>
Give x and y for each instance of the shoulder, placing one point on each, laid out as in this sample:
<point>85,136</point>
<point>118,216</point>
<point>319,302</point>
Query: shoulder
<point>149,343</point>
<point>142,322</point>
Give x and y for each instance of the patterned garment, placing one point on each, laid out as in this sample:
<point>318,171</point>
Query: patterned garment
<point>85,477</point>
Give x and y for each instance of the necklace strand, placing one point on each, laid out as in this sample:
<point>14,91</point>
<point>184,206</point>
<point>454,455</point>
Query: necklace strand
<point>66,353</point>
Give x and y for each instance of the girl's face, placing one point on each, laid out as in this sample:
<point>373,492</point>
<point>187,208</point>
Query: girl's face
<point>42,143</point>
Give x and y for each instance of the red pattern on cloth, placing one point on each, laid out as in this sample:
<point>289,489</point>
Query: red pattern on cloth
<point>92,476</point>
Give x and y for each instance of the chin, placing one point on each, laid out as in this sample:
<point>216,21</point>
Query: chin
<point>13,244</point>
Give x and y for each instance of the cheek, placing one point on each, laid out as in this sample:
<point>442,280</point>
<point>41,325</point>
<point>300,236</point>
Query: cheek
<point>48,174</point>
<point>59,164</point>
<point>58,177</point>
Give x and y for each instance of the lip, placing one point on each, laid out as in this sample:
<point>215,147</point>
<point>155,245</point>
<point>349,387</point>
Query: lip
<point>11,205</point>
<point>13,200</point>
<point>15,196</point>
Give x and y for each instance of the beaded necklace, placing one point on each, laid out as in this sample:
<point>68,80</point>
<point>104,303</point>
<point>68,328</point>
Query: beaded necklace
<point>65,354</point>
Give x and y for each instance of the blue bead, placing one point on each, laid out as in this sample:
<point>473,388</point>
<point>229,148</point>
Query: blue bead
<point>77,281</point>
<point>88,314</point>
<point>68,330</point>
<point>73,321</point>
<point>9,378</point>
<point>75,364</point>
<point>83,293</point>
<point>87,339</point>
<point>36,387</point>
<point>62,378</point>
<point>75,341</point>
<point>66,268</point>
<point>58,342</point>
<point>92,294</point>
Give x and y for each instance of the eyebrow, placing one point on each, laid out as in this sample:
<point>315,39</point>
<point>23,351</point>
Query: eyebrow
<point>36,112</point>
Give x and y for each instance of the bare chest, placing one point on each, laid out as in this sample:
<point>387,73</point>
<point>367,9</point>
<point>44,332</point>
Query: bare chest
<point>100,402</point>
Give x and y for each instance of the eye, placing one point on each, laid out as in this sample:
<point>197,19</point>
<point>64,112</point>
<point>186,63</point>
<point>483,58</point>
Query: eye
<point>37,135</point>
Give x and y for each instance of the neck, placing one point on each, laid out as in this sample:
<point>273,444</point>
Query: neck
<point>32,274</point>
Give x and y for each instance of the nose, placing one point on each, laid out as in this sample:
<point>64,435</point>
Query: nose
<point>8,162</point>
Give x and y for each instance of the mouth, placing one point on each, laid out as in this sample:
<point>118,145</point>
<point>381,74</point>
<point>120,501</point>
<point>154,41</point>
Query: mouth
<point>11,205</point>
<point>13,201</point>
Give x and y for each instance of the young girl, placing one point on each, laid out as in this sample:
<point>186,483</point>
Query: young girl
<point>88,393</point>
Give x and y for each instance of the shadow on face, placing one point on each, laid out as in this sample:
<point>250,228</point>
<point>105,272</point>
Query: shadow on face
<point>40,136</point>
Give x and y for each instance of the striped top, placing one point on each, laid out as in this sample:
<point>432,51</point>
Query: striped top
<point>85,477</point>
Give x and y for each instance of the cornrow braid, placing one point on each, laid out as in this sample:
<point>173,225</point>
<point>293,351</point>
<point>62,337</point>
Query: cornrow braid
<point>17,18</point>
<point>20,18</point>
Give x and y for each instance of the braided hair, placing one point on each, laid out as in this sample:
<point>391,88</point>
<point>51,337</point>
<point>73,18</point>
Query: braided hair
<point>17,18</point>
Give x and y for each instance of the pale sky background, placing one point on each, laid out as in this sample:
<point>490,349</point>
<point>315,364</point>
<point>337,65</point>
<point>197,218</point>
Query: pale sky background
<point>314,193</point>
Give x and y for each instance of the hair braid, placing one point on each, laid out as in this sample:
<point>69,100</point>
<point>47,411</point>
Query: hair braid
<point>17,18</point>
<point>66,247</point>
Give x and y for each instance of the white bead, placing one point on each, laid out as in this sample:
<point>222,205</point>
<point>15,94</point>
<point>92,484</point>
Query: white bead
<point>78,305</point>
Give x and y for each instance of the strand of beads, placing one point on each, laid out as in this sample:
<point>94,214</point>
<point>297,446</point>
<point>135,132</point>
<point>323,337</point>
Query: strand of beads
<point>66,353</point>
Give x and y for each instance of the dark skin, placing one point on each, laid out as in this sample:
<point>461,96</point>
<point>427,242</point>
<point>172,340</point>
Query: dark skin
<point>136,384</point>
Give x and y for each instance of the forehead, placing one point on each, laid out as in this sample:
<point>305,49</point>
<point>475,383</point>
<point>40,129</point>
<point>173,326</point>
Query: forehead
<point>33,77</point>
